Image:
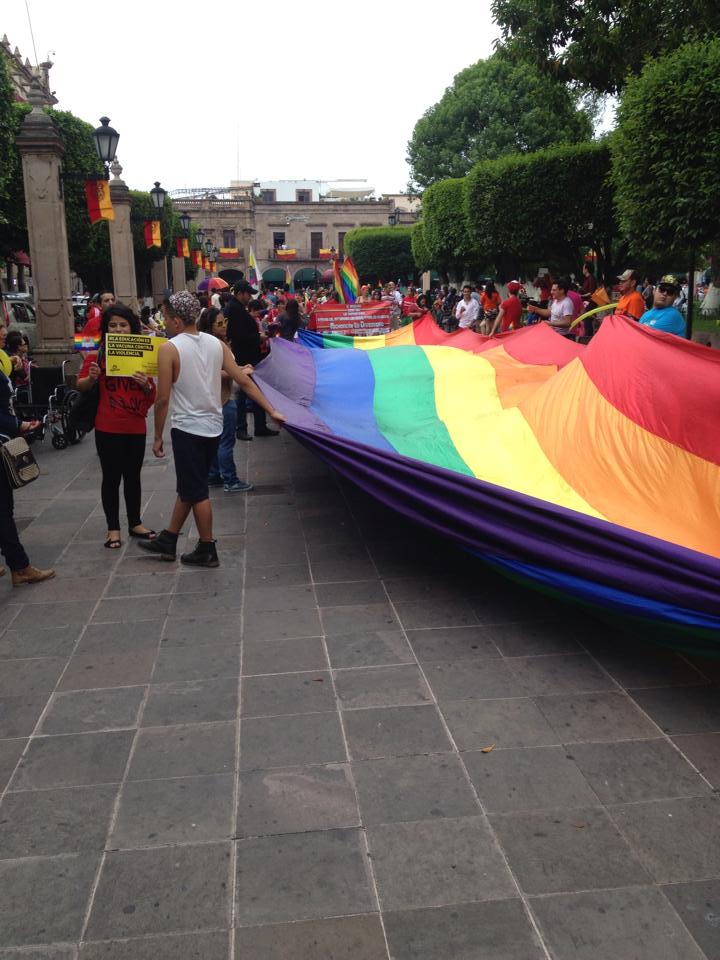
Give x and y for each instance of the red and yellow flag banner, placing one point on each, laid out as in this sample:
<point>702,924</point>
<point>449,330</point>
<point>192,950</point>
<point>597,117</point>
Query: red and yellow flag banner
<point>286,254</point>
<point>197,258</point>
<point>152,234</point>
<point>205,264</point>
<point>229,253</point>
<point>99,204</point>
<point>182,247</point>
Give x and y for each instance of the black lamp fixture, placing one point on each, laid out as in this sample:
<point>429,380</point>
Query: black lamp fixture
<point>200,236</point>
<point>208,246</point>
<point>185,222</point>
<point>106,141</point>
<point>158,197</point>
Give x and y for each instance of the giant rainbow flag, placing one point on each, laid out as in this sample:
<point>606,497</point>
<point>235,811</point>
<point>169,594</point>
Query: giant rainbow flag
<point>590,471</point>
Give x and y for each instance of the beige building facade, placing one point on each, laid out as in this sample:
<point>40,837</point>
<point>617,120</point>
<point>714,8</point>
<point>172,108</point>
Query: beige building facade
<point>309,230</point>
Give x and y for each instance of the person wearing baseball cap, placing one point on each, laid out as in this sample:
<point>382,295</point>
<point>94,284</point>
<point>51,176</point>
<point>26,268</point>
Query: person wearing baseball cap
<point>663,315</point>
<point>631,303</point>
<point>510,313</point>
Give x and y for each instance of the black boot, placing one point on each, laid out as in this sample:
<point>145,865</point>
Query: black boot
<point>204,555</point>
<point>163,546</point>
<point>242,433</point>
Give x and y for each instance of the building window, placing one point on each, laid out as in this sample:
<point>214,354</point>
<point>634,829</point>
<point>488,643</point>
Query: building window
<point>303,196</point>
<point>278,240</point>
<point>267,196</point>
<point>341,244</point>
<point>229,238</point>
<point>315,245</point>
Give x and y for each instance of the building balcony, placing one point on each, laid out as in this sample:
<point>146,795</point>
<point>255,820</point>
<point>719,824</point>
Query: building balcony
<point>299,253</point>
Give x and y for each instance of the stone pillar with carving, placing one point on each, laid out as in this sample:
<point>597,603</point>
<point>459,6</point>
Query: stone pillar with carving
<point>122,248</point>
<point>42,149</point>
<point>178,274</point>
<point>158,278</point>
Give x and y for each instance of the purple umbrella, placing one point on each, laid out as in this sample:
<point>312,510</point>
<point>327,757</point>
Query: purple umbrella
<point>203,285</point>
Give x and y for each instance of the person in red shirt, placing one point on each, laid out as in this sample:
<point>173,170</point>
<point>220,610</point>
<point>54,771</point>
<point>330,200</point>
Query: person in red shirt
<point>95,311</point>
<point>510,313</point>
<point>120,428</point>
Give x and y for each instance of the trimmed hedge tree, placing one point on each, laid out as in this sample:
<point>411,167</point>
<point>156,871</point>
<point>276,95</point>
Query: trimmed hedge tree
<point>418,245</point>
<point>544,207</point>
<point>381,253</point>
<point>446,231</point>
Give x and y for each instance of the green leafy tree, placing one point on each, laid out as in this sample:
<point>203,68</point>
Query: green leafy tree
<point>492,109</point>
<point>7,133</point>
<point>381,253</point>
<point>447,236</point>
<point>546,207</point>
<point>418,245</point>
<point>665,156</point>
<point>142,208</point>
<point>599,44</point>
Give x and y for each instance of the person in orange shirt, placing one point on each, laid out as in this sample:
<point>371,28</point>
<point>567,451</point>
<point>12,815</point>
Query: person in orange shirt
<point>490,303</point>
<point>631,302</point>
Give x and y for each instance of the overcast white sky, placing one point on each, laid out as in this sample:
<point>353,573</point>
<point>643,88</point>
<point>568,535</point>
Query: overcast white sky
<point>317,91</point>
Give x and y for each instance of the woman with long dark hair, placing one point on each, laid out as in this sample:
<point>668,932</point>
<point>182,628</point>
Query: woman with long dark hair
<point>120,428</point>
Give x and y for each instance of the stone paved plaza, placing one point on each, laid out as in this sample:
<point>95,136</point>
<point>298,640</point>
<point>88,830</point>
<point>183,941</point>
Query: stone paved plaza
<point>348,743</point>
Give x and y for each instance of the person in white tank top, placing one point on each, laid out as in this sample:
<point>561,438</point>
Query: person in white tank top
<point>190,371</point>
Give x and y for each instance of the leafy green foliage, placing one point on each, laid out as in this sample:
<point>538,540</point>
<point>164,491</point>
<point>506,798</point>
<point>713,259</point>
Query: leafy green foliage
<point>493,109</point>
<point>381,253</point>
<point>13,226</point>
<point>665,152</point>
<point>7,132</point>
<point>447,236</point>
<point>420,252</point>
<point>546,207</point>
<point>599,44</point>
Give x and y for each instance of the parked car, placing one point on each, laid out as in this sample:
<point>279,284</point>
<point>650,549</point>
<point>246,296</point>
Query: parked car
<point>18,313</point>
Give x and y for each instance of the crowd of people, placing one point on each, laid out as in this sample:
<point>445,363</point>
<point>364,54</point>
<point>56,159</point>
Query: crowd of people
<point>215,340</point>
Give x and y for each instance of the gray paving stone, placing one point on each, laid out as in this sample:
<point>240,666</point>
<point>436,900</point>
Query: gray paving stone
<point>295,800</point>
<point>339,938</point>
<point>28,678</point>
<point>187,751</point>
<point>678,840</point>
<point>435,613</point>
<point>453,861</point>
<point>682,709</point>
<point>200,701</point>
<point>609,924</point>
<point>595,717</point>
<point>413,788</point>
<point>204,661</point>
<point>368,648</point>
<point>350,593</point>
<point>560,852</point>
<point>264,550</point>
<point>528,779</point>
<point>345,619</point>
<point>533,638</point>
<point>40,953</point>
<point>10,752</point>
<point>472,679</point>
<point>702,749</point>
<point>74,760</point>
<point>93,710</point>
<point>287,693</point>
<point>188,946</point>
<point>358,566</point>
<point>130,609</point>
<point>466,931</point>
<point>25,640</point>
<point>281,624</point>
<point>401,685</point>
<point>163,890</point>
<point>394,732</point>
<point>151,583</point>
<point>302,876</point>
<point>283,656</point>
<point>280,597</point>
<point>191,630</point>
<point>184,810</point>
<point>635,770</point>
<point>267,742</point>
<point>125,636</point>
<point>476,724</point>
<point>110,668</point>
<point>19,715</point>
<point>452,643</point>
<point>74,613</point>
<point>51,822</point>
<point>561,673</point>
<point>43,900</point>
<point>639,665</point>
<point>699,907</point>
<point>283,574</point>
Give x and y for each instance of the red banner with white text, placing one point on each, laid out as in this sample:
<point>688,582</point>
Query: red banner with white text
<point>352,319</point>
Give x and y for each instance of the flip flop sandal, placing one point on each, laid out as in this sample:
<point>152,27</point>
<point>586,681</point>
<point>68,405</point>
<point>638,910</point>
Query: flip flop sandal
<point>112,544</point>
<point>147,535</point>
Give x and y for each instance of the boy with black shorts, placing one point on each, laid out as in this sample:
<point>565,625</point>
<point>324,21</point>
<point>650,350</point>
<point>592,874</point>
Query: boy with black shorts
<point>190,368</point>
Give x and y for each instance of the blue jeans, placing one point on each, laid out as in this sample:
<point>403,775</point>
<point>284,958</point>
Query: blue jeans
<point>223,467</point>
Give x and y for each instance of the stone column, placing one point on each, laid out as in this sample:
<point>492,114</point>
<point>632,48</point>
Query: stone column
<point>41,148</point>
<point>122,249</point>
<point>158,276</point>
<point>178,274</point>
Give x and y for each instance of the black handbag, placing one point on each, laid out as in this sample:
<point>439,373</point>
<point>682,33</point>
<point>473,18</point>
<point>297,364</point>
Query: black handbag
<point>83,412</point>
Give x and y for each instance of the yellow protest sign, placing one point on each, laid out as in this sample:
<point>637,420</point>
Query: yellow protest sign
<point>129,353</point>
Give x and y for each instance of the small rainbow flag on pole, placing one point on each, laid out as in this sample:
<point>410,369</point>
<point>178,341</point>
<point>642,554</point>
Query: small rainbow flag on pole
<point>288,277</point>
<point>347,282</point>
<point>87,342</point>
